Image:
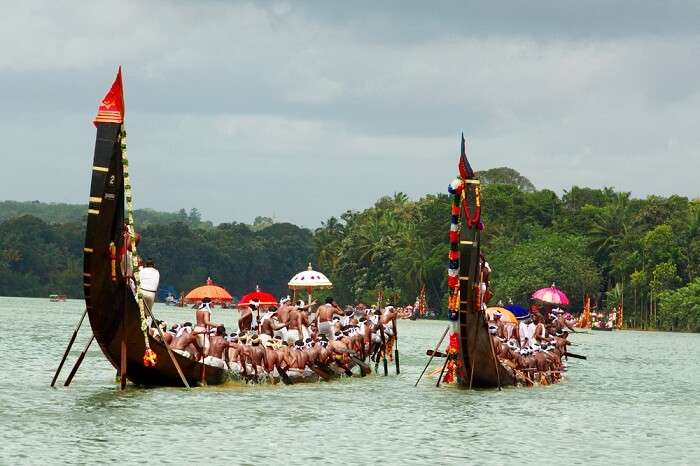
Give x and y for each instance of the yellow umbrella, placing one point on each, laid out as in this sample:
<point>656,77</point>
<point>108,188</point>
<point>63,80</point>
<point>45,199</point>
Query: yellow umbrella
<point>506,315</point>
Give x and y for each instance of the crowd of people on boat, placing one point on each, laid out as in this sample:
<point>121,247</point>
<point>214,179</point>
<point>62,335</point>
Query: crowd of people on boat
<point>535,348</point>
<point>294,340</point>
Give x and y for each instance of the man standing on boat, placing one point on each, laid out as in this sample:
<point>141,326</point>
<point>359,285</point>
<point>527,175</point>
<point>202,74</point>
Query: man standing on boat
<point>150,277</point>
<point>324,317</point>
<point>204,324</point>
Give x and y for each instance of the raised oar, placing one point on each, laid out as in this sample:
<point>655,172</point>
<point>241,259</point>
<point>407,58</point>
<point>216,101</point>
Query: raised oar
<point>431,357</point>
<point>577,356</point>
<point>167,346</point>
<point>396,346</point>
<point>70,345</point>
<point>381,332</point>
<point>78,362</point>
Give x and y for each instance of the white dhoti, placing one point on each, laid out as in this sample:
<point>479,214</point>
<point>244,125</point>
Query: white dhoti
<point>183,353</point>
<point>201,340</point>
<point>305,332</point>
<point>264,338</point>
<point>149,297</point>
<point>281,333</point>
<point>326,328</point>
<point>292,334</point>
<point>216,362</point>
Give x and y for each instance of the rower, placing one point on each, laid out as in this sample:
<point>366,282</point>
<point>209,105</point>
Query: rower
<point>245,321</point>
<point>204,323</point>
<point>217,346</point>
<point>324,317</point>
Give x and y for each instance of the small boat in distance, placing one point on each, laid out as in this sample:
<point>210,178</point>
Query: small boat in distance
<point>57,298</point>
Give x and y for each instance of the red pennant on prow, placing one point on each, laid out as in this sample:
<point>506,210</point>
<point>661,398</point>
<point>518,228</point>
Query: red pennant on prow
<point>111,108</point>
<point>465,169</point>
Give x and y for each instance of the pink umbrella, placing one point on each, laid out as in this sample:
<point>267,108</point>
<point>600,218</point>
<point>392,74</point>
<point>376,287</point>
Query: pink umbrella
<point>551,295</point>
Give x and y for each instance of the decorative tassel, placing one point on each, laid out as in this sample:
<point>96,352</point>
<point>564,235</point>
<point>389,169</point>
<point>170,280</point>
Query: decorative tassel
<point>149,358</point>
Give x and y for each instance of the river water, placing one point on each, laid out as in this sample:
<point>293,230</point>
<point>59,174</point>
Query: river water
<point>635,400</point>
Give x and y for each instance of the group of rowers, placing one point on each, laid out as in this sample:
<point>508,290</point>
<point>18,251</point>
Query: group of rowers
<point>535,348</point>
<point>292,342</point>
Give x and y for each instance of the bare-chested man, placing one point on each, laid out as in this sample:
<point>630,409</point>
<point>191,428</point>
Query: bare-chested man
<point>245,321</point>
<point>204,323</point>
<point>324,317</point>
<point>295,323</point>
<point>217,346</point>
<point>270,326</point>
<point>186,344</point>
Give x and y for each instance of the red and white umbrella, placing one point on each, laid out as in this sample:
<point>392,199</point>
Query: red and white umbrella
<point>551,295</point>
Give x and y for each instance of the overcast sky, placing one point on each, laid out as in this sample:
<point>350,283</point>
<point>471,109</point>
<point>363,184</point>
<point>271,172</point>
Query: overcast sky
<point>305,110</point>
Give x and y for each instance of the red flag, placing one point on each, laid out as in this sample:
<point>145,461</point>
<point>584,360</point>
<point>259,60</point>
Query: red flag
<point>111,108</point>
<point>465,169</point>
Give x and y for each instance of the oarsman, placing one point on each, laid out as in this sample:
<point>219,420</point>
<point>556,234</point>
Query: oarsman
<point>324,317</point>
<point>281,317</point>
<point>217,346</point>
<point>270,326</point>
<point>540,332</point>
<point>245,321</point>
<point>204,323</point>
<point>272,358</point>
<point>233,350</point>
<point>255,356</point>
<point>295,323</point>
<point>185,343</point>
<point>150,277</point>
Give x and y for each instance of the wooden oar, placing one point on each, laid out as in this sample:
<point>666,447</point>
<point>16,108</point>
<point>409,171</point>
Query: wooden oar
<point>436,354</point>
<point>396,346</point>
<point>444,366</point>
<point>444,334</point>
<point>167,346</point>
<point>381,333</point>
<point>70,345</point>
<point>78,362</point>
<point>577,356</point>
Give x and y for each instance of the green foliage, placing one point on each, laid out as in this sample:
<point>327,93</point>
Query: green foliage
<point>506,175</point>
<point>547,258</point>
<point>596,241</point>
<point>680,309</point>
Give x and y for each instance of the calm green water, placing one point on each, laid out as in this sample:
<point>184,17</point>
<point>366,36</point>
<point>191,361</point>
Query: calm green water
<point>634,401</point>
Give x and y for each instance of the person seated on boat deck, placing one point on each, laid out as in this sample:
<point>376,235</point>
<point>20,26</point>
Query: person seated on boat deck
<point>185,342</point>
<point>150,277</point>
<point>204,323</point>
<point>217,346</point>
<point>324,317</point>
<point>245,322</point>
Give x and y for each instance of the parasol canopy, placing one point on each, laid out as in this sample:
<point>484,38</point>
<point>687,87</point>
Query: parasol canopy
<point>519,312</point>
<point>506,315</point>
<point>309,280</point>
<point>263,298</point>
<point>551,295</point>
<point>216,293</point>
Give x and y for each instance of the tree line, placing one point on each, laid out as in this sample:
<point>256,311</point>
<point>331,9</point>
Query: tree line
<point>598,242</point>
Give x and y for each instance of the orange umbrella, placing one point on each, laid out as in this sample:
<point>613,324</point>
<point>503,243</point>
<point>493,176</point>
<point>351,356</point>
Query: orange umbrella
<point>506,315</point>
<point>216,293</point>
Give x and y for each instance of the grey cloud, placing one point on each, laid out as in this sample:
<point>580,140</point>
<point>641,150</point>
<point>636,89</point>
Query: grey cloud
<point>306,110</point>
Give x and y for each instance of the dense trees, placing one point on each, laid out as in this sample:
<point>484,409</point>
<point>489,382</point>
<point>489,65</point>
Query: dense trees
<point>595,241</point>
